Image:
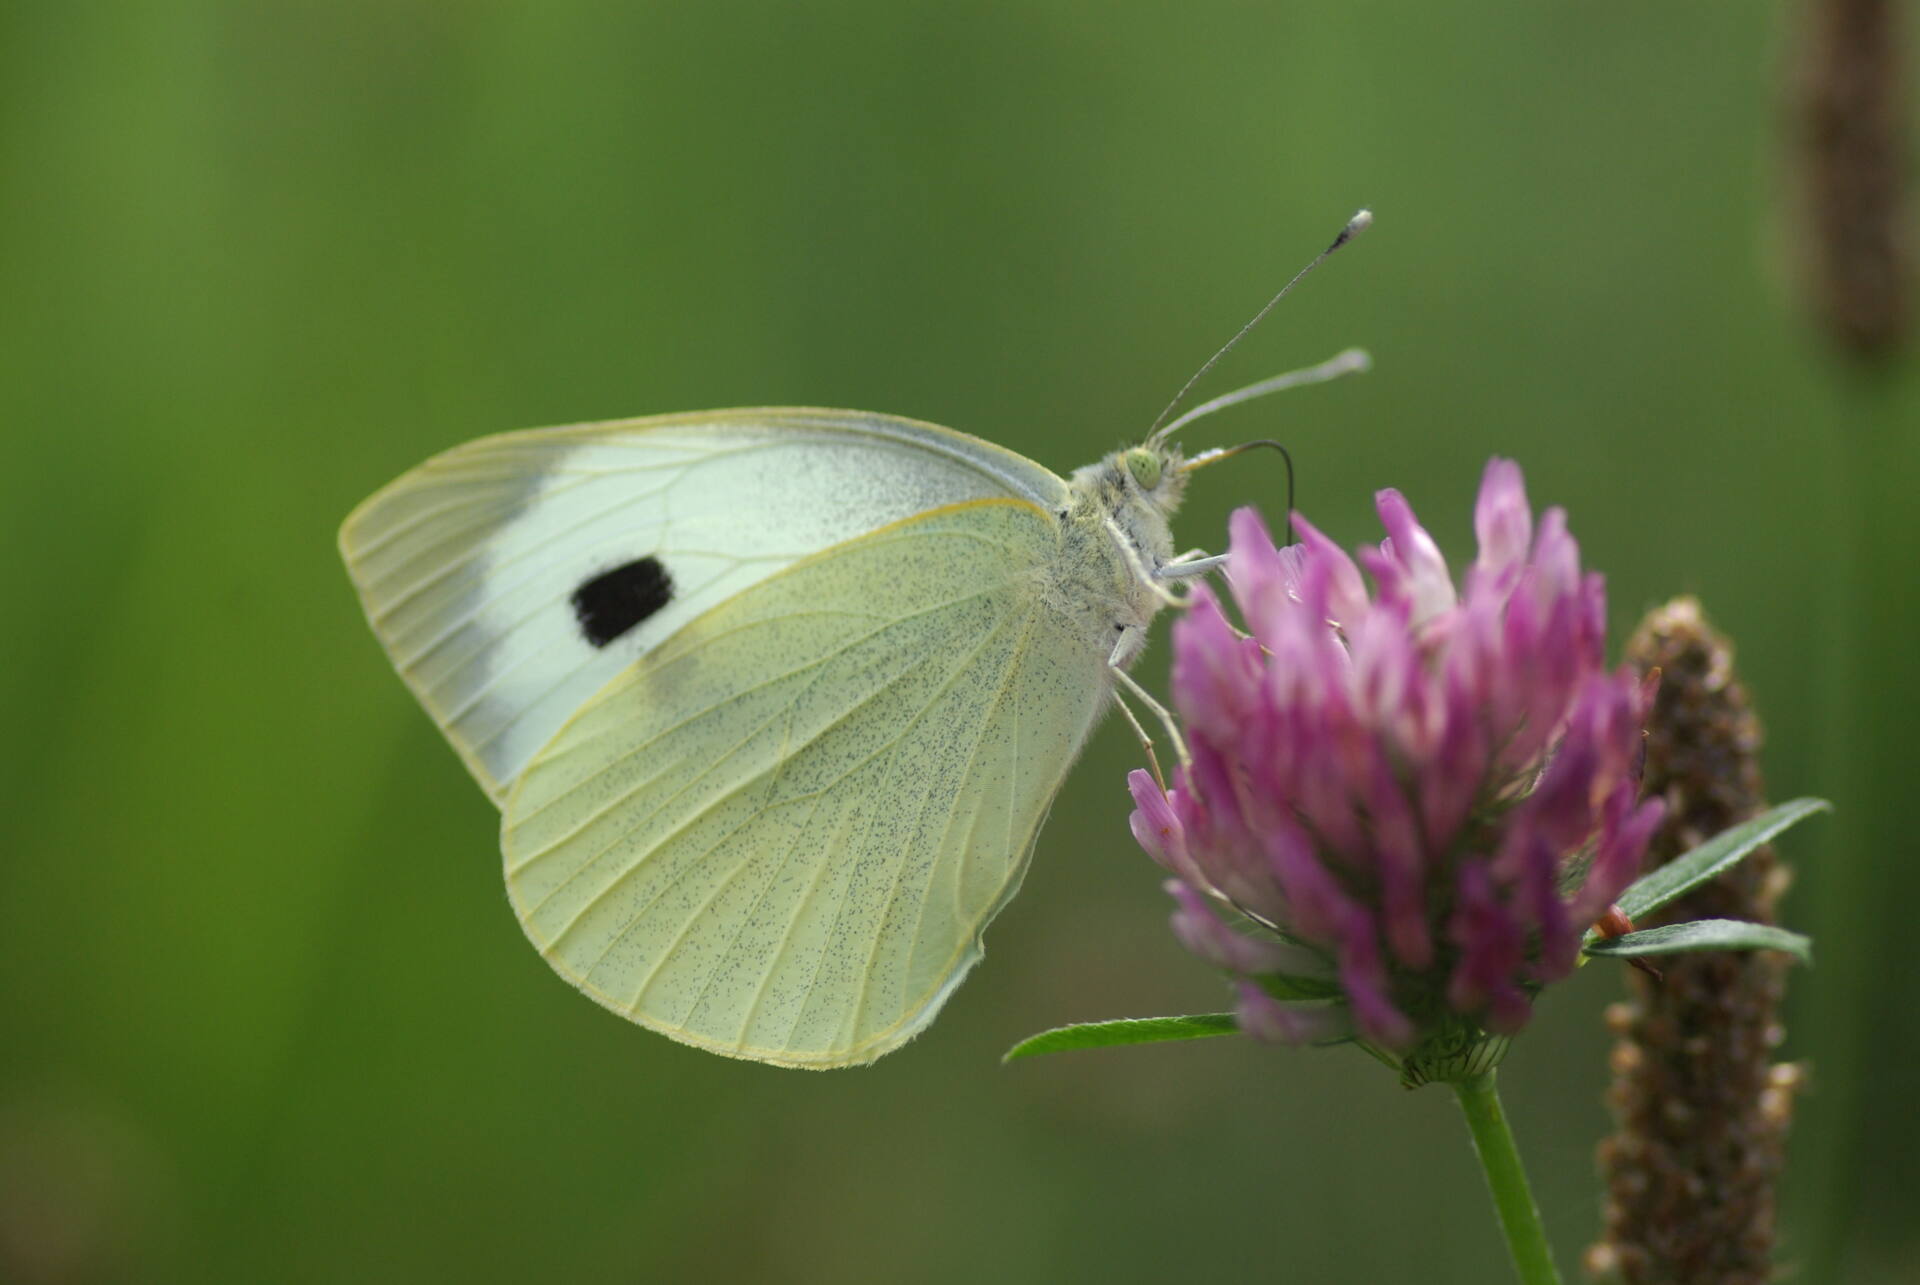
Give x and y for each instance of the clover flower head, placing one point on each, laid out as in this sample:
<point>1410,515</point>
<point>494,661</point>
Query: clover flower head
<point>1418,795</point>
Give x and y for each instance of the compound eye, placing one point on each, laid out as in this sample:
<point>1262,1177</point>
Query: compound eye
<point>1145,466</point>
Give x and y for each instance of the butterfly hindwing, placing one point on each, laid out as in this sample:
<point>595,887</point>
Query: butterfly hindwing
<point>780,833</point>
<point>513,577</point>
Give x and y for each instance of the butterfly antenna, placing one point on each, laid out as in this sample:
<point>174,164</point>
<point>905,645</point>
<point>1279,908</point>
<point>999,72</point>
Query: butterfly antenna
<point>1355,225</point>
<point>1219,453</point>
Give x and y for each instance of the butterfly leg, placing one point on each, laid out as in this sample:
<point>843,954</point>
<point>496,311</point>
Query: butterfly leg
<point>1123,650</point>
<point>1146,742</point>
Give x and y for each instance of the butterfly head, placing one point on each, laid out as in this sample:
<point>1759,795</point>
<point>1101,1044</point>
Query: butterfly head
<point>1151,473</point>
<point>1131,493</point>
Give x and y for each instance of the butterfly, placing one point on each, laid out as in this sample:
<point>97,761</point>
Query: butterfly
<point>773,702</point>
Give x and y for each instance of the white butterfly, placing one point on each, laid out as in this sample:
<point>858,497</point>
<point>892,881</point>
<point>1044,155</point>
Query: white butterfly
<point>774,702</point>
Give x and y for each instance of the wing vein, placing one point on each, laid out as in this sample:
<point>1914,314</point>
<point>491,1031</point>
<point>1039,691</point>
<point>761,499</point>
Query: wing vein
<point>800,905</point>
<point>723,702</point>
<point>684,824</point>
<point>543,497</point>
<point>887,623</point>
<point>672,948</point>
<point>891,744</point>
<point>899,878</point>
<point>973,758</point>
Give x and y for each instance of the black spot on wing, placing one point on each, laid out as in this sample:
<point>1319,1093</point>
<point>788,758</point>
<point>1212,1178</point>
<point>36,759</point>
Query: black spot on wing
<point>613,602</point>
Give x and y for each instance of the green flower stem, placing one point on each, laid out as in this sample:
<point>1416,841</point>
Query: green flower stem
<point>1507,1179</point>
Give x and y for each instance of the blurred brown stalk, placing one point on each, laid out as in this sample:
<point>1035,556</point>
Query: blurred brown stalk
<point>1700,1109</point>
<point>1849,118</point>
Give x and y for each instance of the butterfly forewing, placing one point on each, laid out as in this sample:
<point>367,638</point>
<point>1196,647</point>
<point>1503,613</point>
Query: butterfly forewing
<point>780,833</point>
<point>511,578</point>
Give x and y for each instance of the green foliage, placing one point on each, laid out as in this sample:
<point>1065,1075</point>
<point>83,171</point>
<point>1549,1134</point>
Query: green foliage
<point>1125,1030</point>
<point>1704,934</point>
<point>1691,869</point>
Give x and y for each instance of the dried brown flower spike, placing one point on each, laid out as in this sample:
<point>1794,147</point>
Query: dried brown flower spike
<point>1855,172</point>
<point>1701,1111</point>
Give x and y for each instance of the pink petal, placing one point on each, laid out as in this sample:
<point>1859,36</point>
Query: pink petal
<point>1503,522</point>
<point>1157,829</point>
<point>1201,930</point>
<point>1346,592</point>
<point>1428,583</point>
<point>1266,1019</point>
<point>1364,978</point>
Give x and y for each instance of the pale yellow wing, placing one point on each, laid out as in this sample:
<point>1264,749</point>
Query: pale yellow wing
<point>780,834</point>
<point>511,578</point>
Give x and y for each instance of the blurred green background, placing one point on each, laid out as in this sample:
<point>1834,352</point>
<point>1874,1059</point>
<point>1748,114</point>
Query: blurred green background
<point>266,1014</point>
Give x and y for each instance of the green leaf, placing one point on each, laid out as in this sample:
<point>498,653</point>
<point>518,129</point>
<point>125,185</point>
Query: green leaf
<point>1705,934</point>
<point>1686,872</point>
<point>1126,1030</point>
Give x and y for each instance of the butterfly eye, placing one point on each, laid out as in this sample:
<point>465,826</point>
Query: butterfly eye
<point>1144,464</point>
